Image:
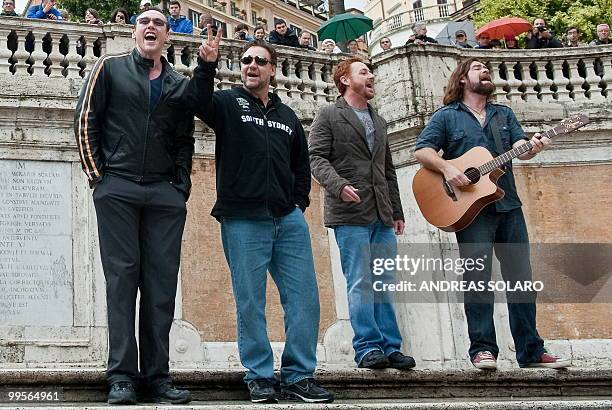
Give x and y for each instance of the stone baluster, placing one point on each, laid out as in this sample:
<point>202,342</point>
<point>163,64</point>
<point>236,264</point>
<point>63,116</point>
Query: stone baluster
<point>21,56</point>
<point>319,83</point>
<point>294,82</point>
<point>90,59</point>
<point>165,50</point>
<point>500,84</point>
<point>546,94</point>
<point>55,57</point>
<point>593,80</point>
<point>308,85</point>
<point>331,91</point>
<point>226,71</point>
<point>38,56</point>
<point>607,77</point>
<point>5,53</point>
<point>282,82</point>
<point>514,94</point>
<point>530,94</point>
<point>563,94</point>
<point>576,80</point>
<point>73,58</point>
<point>178,60</point>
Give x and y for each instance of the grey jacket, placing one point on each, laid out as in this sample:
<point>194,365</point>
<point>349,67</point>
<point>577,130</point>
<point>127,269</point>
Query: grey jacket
<point>339,156</point>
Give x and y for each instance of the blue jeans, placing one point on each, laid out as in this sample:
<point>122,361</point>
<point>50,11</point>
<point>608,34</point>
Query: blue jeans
<point>282,246</point>
<point>491,230</point>
<point>372,316</point>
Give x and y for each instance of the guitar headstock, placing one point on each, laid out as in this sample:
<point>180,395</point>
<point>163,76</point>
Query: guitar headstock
<point>572,123</point>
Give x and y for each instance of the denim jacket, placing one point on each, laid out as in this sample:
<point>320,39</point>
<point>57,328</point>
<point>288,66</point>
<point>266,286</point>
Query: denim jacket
<point>455,130</point>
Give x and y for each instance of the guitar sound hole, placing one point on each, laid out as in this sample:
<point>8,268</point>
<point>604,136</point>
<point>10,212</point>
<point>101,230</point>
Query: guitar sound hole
<point>473,175</point>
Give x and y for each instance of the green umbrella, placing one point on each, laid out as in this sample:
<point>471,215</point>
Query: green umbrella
<point>345,26</point>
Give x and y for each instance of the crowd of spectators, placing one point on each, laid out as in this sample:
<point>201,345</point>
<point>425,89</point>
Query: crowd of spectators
<point>540,36</point>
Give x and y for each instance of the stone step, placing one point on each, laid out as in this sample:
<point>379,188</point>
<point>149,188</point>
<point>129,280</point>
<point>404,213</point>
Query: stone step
<point>88,385</point>
<point>416,404</point>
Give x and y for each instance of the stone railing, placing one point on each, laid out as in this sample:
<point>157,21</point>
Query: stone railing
<point>536,83</point>
<point>42,66</point>
<point>44,49</point>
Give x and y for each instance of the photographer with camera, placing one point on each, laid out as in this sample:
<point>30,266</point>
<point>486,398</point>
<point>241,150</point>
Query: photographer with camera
<point>541,36</point>
<point>241,32</point>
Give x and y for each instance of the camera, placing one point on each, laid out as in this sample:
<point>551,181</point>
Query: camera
<point>242,35</point>
<point>542,29</point>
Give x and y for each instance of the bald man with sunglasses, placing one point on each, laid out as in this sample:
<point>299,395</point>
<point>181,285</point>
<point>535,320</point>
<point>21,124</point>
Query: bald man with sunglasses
<point>263,183</point>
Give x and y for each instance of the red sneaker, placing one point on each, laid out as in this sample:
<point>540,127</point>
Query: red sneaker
<point>485,361</point>
<point>549,361</point>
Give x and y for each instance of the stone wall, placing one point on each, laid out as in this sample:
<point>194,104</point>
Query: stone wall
<point>38,92</point>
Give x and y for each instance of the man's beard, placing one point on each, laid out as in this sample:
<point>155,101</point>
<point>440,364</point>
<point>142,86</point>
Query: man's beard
<point>482,88</point>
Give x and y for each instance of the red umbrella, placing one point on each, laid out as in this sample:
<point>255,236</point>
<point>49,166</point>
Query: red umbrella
<point>511,26</point>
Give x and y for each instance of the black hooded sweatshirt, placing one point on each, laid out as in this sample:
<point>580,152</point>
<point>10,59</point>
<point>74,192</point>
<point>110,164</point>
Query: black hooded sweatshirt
<point>261,153</point>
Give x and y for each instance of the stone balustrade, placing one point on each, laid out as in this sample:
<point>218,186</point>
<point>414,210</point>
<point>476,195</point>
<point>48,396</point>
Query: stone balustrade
<point>42,68</point>
<point>537,84</point>
<point>47,49</point>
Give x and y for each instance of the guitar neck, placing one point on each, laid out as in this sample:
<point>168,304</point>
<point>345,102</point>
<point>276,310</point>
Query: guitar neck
<point>510,155</point>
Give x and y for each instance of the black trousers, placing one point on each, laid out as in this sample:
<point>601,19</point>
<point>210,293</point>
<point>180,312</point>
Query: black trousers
<point>140,228</point>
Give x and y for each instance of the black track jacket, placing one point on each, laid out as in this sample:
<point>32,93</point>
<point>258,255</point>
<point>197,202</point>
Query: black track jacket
<point>261,153</point>
<point>117,133</point>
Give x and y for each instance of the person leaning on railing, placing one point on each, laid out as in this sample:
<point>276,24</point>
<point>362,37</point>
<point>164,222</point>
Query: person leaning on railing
<point>8,8</point>
<point>92,17</point>
<point>420,35</point>
<point>120,16</point>
<point>45,10</point>
<point>572,38</point>
<point>603,35</point>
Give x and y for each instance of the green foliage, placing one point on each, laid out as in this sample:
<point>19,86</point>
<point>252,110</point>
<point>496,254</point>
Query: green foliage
<point>77,8</point>
<point>559,14</point>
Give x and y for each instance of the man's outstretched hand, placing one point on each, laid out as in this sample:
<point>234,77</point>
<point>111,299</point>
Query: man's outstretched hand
<point>209,50</point>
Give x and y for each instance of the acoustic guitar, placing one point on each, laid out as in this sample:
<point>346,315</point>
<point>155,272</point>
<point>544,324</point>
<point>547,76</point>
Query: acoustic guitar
<point>452,208</point>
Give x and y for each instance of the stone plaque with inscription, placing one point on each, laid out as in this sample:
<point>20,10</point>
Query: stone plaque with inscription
<point>35,243</point>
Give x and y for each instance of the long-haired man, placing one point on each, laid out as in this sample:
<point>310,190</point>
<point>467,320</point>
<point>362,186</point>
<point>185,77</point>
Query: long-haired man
<point>469,119</point>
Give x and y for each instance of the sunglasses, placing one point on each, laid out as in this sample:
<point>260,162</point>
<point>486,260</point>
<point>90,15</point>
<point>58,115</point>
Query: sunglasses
<point>156,22</point>
<point>260,61</point>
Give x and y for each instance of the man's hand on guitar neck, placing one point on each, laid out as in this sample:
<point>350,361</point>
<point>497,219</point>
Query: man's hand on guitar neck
<point>538,143</point>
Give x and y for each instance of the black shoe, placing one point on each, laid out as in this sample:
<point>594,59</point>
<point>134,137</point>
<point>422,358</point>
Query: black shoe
<point>308,391</point>
<point>122,393</point>
<point>374,360</point>
<point>167,393</point>
<point>262,391</point>
<point>398,360</point>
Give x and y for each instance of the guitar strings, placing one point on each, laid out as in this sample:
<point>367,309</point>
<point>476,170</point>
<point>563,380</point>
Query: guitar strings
<point>475,173</point>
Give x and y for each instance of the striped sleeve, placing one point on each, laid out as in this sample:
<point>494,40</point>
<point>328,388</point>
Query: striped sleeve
<point>88,119</point>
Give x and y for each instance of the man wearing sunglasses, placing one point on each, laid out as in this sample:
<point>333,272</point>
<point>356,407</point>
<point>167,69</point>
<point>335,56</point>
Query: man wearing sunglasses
<point>263,183</point>
<point>135,140</point>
